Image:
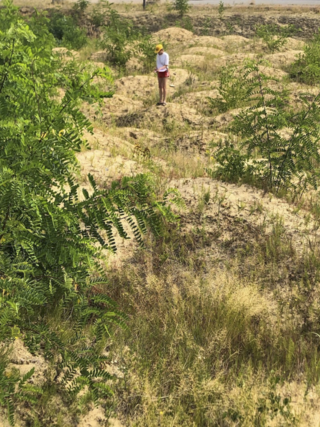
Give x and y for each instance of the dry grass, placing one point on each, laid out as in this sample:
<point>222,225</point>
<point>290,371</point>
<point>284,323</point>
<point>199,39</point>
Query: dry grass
<point>224,308</point>
<point>211,347</point>
<point>161,7</point>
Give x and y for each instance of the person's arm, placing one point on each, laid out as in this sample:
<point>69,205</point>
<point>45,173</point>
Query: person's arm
<point>164,67</point>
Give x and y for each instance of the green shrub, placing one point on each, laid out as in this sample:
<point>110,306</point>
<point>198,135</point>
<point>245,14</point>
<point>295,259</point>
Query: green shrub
<point>181,6</point>
<point>116,39</point>
<point>235,90</point>
<point>277,147</point>
<point>221,9</point>
<point>274,36</point>
<point>67,32</point>
<point>51,241</point>
<point>146,47</point>
<point>80,6</point>
<point>100,13</point>
<point>307,67</point>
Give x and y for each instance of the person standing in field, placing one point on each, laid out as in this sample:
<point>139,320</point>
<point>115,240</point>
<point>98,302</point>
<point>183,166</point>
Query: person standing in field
<point>163,73</point>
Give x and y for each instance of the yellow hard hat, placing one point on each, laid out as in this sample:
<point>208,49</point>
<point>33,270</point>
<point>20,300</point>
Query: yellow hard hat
<point>158,48</point>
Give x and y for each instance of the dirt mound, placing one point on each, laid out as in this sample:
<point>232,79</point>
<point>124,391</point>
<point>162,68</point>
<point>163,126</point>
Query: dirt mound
<point>172,116</point>
<point>140,136</point>
<point>94,418</point>
<point>273,72</point>
<point>106,141</point>
<point>142,87</point>
<point>234,59</point>
<point>205,51</point>
<point>198,100</point>
<point>138,87</point>
<point>179,76</point>
<point>296,90</point>
<point>293,44</point>
<point>209,41</point>
<point>105,168</point>
<point>173,35</point>
<point>111,108</point>
<point>234,41</point>
<point>243,203</point>
<point>225,119</point>
<point>198,141</point>
<point>134,65</point>
<point>283,59</point>
<point>185,60</point>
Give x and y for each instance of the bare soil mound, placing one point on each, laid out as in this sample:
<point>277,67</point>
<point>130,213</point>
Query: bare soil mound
<point>293,44</point>
<point>173,35</point>
<point>241,205</point>
<point>145,137</point>
<point>94,418</point>
<point>273,72</point>
<point>234,59</point>
<point>137,87</point>
<point>283,59</point>
<point>111,108</point>
<point>209,41</point>
<point>185,60</point>
<point>297,91</point>
<point>179,76</point>
<point>172,116</point>
<point>234,41</point>
<point>106,141</point>
<point>66,54</point>
<point>105,168</point>
<point>142,87</point>
<point>198,100</point>
<point>225,119</point>
<point>201,50</point>
<point>198,141</point>
<point>134,65</point>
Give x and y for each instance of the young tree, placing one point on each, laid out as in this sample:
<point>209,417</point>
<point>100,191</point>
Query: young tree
<point>278,148</point>
<point>182,6</point>
<point>51,237</point>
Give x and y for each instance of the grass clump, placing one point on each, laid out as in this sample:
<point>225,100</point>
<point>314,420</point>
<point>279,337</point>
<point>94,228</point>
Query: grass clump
<point>306,68</point>
<point>208,348</point>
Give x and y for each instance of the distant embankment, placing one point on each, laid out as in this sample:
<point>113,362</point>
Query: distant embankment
<point>241,24</point>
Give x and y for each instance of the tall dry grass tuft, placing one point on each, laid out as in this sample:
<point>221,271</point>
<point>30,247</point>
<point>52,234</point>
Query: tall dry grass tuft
<point>205,349</point>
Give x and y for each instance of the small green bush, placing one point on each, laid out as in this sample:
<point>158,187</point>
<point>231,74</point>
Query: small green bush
<point>146,47</point>
<point>277,147</point>
<point>274,36</point>
<point>67,32</point>
<point>181,6</point>
<point>235,90</point>
<point>221,9</point>
<point>116,39</point>
<point>307,67</point>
